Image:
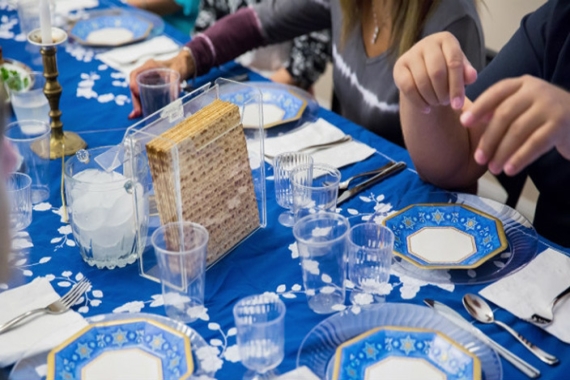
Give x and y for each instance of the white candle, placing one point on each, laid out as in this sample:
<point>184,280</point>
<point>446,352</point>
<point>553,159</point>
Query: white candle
<point>45,22</point>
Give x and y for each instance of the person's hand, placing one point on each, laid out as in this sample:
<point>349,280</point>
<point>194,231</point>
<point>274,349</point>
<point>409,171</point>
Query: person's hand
<point>183,63</point>
<point>526,117</point>
<point>282,76</point>
<point>434,72</point>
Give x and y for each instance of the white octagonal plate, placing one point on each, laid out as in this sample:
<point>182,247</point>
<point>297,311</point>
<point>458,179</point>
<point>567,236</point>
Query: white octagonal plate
<point>446,236</point>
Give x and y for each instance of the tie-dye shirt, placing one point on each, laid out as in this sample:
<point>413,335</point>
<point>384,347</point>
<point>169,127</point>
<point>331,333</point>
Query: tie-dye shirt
<point>364,86</point>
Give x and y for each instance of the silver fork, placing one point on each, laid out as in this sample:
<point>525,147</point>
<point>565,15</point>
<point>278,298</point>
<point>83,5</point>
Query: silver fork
<point>320,146</point>
<point>547,316</point>
<point>57,307</point>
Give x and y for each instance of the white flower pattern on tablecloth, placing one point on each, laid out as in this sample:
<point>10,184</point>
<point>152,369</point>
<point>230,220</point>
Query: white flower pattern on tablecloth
<point>209,358</point>
<point>6,27</point>
<point>81,53</point>
<point>67,280</point>
<point>64,239</point>
<point>408,286</point>
<point>230,353</point>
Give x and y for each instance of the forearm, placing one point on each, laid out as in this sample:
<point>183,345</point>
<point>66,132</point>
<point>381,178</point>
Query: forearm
<point>284,20</point>
<point>441,148</point>
<point>221,43</point>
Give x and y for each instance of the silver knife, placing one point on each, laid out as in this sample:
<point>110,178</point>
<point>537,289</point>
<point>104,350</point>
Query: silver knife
<point>392,169</point>
<point>463,323</point>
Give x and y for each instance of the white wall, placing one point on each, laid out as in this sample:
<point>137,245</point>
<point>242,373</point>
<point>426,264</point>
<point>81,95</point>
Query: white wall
<point>501,18</point>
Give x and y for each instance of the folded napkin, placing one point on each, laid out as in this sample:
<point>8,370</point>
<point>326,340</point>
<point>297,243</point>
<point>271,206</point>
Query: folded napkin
<point>531,289</point>
<point>36,334</point>
<point>127,58</point>
<point>63,7</point>
<point>319,132</point>
<point>300,373</point>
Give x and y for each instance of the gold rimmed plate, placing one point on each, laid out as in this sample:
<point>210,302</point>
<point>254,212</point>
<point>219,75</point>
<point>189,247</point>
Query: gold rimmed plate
<point>151,339</point>
<point>320,349</point>
<point>391,352</point>
<point>446,236</point>
<point>100,350</point>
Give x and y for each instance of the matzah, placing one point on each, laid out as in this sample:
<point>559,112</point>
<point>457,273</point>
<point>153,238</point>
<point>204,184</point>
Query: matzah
<point>215,182</point>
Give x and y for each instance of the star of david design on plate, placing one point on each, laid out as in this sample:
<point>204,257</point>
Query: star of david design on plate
<point>98,351</point>
<point>155,341</point>
<point>398,352</point>
<point>446,236</point>
<point>395,341</point>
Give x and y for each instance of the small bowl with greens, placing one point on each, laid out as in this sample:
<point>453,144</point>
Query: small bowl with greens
<point>15,76</point>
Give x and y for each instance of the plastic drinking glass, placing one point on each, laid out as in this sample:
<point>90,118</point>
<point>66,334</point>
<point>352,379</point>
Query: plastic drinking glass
<point>283,165</point>
<point>315,188</point>
<point>321,241</point>
<point>30,139</point>
<point>27,97</point>
<point>157,88</point>
<point>260,327</point>
<point>19,189</point>
<point>370,252</point>
<point>180,249</point>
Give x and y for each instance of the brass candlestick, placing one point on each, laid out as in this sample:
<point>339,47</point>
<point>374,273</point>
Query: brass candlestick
<point>61,143</point>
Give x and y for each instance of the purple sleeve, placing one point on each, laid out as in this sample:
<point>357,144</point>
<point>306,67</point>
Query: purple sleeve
<point>227,39</point>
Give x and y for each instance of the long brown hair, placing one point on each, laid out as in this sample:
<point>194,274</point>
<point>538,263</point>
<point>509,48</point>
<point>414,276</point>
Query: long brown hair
<point>408,19</point>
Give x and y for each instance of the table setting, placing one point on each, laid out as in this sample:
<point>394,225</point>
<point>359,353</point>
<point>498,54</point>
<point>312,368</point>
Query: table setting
<point>317,252</point>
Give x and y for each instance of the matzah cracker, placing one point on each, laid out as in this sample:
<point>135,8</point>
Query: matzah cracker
<point>215,182</point>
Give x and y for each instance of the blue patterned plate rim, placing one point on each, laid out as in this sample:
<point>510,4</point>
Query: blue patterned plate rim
<point>83,351</point>
<point>471,361</point>
<point>140,27</point>
<point>318,348</point>
<point>292,104</point>
<point>475,259</point>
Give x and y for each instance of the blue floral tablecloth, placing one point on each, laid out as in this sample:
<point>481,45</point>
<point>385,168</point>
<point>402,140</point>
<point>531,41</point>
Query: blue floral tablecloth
<point>95,103</point>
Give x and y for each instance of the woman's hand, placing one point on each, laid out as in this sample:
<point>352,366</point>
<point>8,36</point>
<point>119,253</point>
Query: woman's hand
<point>183,63</point>
<point>434,72</point>
<point>526,117</point>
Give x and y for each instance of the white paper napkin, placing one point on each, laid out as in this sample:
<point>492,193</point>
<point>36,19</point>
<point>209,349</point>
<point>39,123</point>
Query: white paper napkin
<point>127,58</point>
<point>532,289</point>
<point>26,338</point>
<point>319,132</point>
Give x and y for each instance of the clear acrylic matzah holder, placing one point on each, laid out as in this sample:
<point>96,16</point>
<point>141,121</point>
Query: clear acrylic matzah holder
<point>132,150</point>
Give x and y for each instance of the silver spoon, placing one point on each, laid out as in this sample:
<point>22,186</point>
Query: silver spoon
<point>481,311</point>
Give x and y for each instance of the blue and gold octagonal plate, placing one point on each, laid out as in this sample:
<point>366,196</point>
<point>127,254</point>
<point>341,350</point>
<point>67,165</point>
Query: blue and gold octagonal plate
<point>111,30</point>
<point>446,236</point>
<point>123,349</point>
<point>395,352</point>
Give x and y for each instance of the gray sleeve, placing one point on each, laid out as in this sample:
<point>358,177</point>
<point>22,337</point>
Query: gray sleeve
<point>283,20</point>
<point>469,35</point>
